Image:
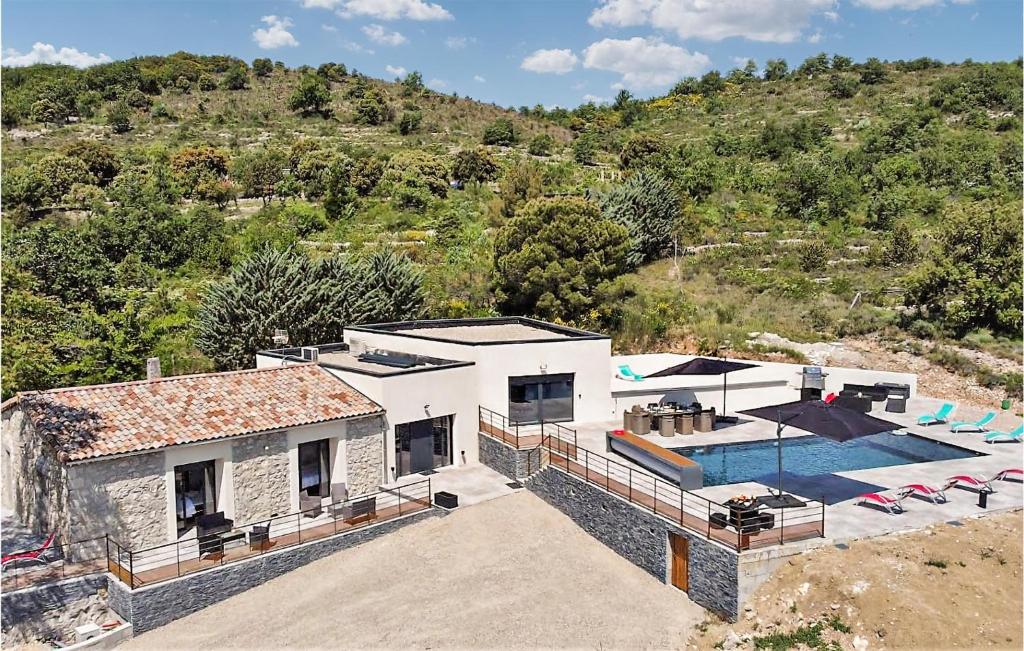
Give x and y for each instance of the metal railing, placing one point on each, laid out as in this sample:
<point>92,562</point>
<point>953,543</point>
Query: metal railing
<point>521,436</point>
<point>137,568</point>
<point>714,520</point>
<point>58,562</point>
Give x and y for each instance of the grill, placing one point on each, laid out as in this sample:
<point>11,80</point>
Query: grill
<point>812,383</point>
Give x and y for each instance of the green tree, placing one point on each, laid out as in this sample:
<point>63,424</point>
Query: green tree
<point>419,168</point>
<point>312,300</point>
<point>648,206</point>
<point>500,132</point>
<point>119,117</point>
<point>842,87</point>
<point>555,258</point>
<point>972,277</point>
<point>259,171</point>
<point>474,165</point>
<point>236,77</point>
<point>775,70</point>
<point>521,182</point>
<point>372,108</point>
<point>61,172</point>
<point>643,150</point>
<point>66,263</point>
<point>262,67</point>
<point>873,72</point>
<point>840,62</point>
<point>23,188</point>
<point>584,148</point>
<point>409,122</point>
<point>311,96</point>
<point>192,166</point>
<point>412,84</point>
<point>901,248</point>
<point>98,157</point>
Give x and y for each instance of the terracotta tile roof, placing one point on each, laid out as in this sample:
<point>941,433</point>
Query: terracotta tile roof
<point>96,421</point>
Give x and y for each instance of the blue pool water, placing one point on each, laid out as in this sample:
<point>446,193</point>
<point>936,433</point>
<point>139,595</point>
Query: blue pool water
<point>807,456</point>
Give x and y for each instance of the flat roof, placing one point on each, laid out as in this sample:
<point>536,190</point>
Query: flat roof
<point>379,363</point>
<point>483,331</point>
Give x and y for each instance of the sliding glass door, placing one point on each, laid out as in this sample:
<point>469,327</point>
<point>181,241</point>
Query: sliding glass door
<point>195,492</point>
<point>540,398</point>
<point>423,445</point>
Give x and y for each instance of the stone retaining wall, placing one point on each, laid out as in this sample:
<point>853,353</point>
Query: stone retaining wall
<point>21,605</point>
<point>152,606</point>
<point>642,538</point>
<point>513,463</point>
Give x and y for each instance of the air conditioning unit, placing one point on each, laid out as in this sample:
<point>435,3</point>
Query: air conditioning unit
<point>357,346</point>
<point>280,337</point>
<point>309,353</point>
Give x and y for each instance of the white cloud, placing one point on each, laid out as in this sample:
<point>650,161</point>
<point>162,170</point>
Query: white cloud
<point>46,53</point>
<point>908,5</point>
<point>739,62</point>
<point>596,99</point>
<point>382,9</point>
<point>777,21</point>
<point>276,33</point>
<point>329,28</point>
<point>479,79</point>
<point>352,46</point>
<point>556,62</point>
<point>644,62</point>
<point>381,36</point>
<point>397,71</point>
<point>458,42</point>
<point>437,84</point>
<point>832,16</point>
<point>814,38</point>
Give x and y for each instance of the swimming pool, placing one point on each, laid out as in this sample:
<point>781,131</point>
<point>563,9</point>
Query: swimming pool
<point>807,456</point>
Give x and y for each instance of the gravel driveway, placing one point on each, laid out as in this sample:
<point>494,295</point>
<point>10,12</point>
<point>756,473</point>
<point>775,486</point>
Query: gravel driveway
<point>509,573</point>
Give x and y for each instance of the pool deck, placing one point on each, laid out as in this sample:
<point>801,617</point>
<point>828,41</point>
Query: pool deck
<point>846,520</point>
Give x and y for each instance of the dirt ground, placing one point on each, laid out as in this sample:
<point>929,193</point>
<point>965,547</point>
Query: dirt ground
<point>509,573</point>
<point>944,587</point>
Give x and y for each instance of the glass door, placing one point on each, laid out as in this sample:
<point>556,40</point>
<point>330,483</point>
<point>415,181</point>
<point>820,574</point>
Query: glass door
<point>194,492</point>
<point>423,445</point>
<point>540,398</point>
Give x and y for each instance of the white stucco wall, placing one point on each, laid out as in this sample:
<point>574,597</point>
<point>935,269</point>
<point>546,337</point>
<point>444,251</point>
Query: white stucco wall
<point>770,383</point>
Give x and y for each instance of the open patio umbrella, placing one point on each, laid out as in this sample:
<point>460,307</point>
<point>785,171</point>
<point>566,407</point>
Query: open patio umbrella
<point>818,417</point>
<point>707,366</point>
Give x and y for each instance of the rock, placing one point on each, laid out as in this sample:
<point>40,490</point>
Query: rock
<point>804,588</point>
<point>834,606</point>
<point>731,641</point>
<point>860,643</point>
<point>880,633</point>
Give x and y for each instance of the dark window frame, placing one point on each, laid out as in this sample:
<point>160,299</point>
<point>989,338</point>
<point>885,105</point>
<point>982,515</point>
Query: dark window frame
<point>323,467</point>
<point>542,381</point>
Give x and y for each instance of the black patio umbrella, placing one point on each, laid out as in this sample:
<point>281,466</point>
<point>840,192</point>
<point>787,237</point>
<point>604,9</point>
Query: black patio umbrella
<point>818,417</point>
<point>707,366</point>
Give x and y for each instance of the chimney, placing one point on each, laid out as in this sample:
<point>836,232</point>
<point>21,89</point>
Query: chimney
<point>153,368</point>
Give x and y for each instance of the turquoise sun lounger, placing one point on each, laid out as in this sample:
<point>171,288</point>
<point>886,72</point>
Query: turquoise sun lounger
<point>941,416</point>
<point>979,425</point>
<point>1016,436</point>
<point>628,373</point>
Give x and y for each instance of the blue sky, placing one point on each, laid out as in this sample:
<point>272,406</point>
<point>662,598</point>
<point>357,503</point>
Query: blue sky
<point>560,52</point>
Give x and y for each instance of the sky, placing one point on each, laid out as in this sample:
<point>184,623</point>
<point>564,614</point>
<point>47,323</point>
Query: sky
<point>516,52</point>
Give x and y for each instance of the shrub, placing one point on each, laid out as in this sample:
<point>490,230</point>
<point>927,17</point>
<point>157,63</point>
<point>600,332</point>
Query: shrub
<point>540,145</point>
<point>119,117</point>
<point>417,168</point>
<point>643,150</point>
<point>584,148</point>
<point>521,182</point>
<point>409,122</point>
<point>842,87</point>
<point>474,165</point>
<point>813,255</point>
<point>236,78</point>
<point>500,132</point>
<point>311,96</point>
<point>873,71</point>
<point>373,108</point>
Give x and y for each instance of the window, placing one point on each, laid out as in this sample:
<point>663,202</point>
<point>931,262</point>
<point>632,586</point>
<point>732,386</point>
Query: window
<point>315,468</point>
<point>540,398</point>
<point>195,492</point>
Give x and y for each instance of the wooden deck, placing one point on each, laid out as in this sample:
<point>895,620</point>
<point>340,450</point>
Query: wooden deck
<point>243,551</point>
<point>682,511</point>
<point>28,576</point>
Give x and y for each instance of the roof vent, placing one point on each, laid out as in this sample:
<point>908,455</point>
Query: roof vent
<point>153,368</point>
<point>310,353</point>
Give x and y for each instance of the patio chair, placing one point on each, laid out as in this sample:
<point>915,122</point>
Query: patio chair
<point>978,425</point>
<point>628,374</point>
<point>891,502</point>
<point>1003,475</point>
<point>974,481</point>
<point>1016,436</point>
<point>29,556</point>
<point>934,493</point>
<point>940,416</point>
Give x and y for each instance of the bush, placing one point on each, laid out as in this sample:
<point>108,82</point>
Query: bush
<point>842,87</point>
<point>813,255</point>
<point>409,122</point>
<point>584,148</point>
<point>540,145</point>
<point>474,165</point>
<point>373,108</point>
<point>643,150</point>
<point>521,182</point>
<point>500,132</point>
<point>119,117</point>
<point>873,71</point>
<point>236,78</point>
<point>419,169</point>
<point>311,96</point>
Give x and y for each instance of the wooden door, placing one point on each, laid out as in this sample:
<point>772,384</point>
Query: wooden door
<point>680,561</point>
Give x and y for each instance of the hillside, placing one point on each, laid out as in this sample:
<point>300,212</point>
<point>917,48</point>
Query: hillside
<point>838,199</point>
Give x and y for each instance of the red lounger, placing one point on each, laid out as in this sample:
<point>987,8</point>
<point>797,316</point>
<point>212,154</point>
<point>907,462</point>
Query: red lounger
<point>932,492</point>
<point>29,556</point>
<point>973,481</point>
<point>891,503</point>
<point>1003,474</point>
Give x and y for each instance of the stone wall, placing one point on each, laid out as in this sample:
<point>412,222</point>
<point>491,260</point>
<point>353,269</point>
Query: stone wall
<point>513,463</point>
<point>35,483</point>
<point>23,605</point>
<point>364,454</point>
<point>642,538</point>
<point>149,607</point>
<point>260,477</point>
<point>125,497</point>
